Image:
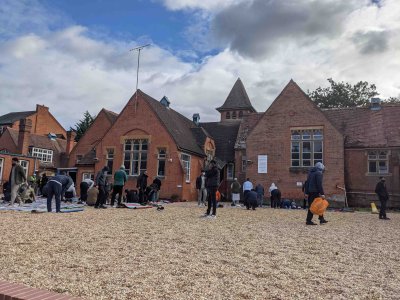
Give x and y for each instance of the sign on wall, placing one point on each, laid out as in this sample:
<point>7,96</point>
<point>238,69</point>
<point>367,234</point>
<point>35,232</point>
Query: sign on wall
<point>262,164</point>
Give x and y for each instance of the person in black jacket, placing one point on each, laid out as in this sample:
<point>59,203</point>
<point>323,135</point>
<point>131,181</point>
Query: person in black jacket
<point>56,187</point>
<point>101,183</point>
<point>383,195</point>
<point>141,184</point>
<point>212,183</point>
<point>314,189</point>
<point>250,199</point>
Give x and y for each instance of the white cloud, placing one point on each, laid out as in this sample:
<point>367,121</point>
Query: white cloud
<point>71,69</point>
<point>210,5</point>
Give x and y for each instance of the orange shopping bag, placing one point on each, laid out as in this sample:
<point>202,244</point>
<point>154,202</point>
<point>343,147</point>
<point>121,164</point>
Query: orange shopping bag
<point>319,206</point>
<point>218,196</point>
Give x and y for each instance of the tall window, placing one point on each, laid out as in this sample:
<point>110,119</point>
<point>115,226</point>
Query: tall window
<point>378,162</point>
<point>244,163</point>
<point>25,165</point>
<point>229,171</point>
<point>1,167</point>
<point>234,115</point>
<point>44,155</point>
<point>240,114</point>
<point>110,159</point>
<point>186,165</point>
<point>162,155</point>
<point>306,147</point>
<point>228,115</point>
<point>135,156</point>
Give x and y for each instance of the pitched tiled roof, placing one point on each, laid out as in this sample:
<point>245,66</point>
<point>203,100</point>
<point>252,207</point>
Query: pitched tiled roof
<point>237,98</point>
<point>224,135</point>
<point>364,127</point>
<point>247,124</point>
<point>88,158</point>
<point>14,116</point>
<point>177,125</point>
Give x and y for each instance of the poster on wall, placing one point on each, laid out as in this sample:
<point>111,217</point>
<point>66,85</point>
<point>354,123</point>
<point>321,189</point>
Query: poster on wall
<point>262,164</point>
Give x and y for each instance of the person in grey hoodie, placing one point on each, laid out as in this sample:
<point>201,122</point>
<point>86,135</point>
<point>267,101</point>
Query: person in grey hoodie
<point>56,187</point>
<point>314,189</point>
<point>101,183</point>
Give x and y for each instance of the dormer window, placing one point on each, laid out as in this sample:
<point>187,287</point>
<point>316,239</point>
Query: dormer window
<point>234,115</point>
<point>240,114</point>
<point>228,115</point>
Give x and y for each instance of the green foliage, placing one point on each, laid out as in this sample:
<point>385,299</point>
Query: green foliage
<point>343,94</point>
<point>83,125</point>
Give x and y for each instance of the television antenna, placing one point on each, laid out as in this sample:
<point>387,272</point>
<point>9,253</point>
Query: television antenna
<point>138,49</point>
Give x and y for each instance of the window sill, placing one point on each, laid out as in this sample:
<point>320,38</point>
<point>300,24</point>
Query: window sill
<point>378,174</point>
<point>297,170</point>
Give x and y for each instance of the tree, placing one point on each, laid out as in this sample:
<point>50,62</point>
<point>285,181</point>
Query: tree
<point>343,94</point>
<point>83,125</point>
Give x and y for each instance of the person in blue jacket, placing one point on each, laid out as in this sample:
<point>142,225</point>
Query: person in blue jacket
<point>56,187</point>
<point>314,189</point>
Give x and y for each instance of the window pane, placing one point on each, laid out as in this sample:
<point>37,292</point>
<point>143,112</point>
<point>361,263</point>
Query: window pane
<point>296,135</point>
<point>372,167</point>
<point>306,135</point>
<point>383,167</point>
<point>306,146</point>
<point>295,155</point>
<point>144,156</point>
<point>127,165</point>
<point>306,163</point>
<point>135,167</point>
<point>136,145</point>
<point>318,146</point>
<point>295,163</point>
<point>318,156</point>
<point>317,160</point>
<point>144,144</point>
<point>306,155</point>
<point>128,147</point>
<point>143,165</point>
<point>295,147</point>
<point>317,135</point>
<point>161,168</point>
<point>135,155</point>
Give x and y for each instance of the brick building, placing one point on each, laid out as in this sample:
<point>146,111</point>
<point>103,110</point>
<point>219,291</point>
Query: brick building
<point>35,134</point>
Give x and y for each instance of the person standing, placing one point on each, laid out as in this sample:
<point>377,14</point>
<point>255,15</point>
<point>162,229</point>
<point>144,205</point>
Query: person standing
<point>120,178</point>
<point>247,186</point>
<point>141,184</point>
<point>43,182</point>
<point>235,189</point>
<point>383,195</point>
<point>314,189</point>
<point>201,189</point>
<point>260,194</point>
<point>275,196</point>
<point>212,183</point>
<point>56,187</point>
<point>17,177</point>
<point>101,182</point>
<point>157,188</point>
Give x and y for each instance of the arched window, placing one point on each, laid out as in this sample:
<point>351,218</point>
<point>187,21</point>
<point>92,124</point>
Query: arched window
<point>228,115</point>
<point>240,114</point>
<point>234,115</point>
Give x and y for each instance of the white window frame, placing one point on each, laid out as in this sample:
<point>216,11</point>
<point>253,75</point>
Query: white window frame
<point>311,136</point>
<point>378,157</point>
<point>26,167</point>
<point>141,156</point>
<point>186,165</point>
<point>44,155</point>
<point>110,153</point>
<point>86,175</point>
<point>230,171</point>
<point>161,157</point>
<point>1,168</point>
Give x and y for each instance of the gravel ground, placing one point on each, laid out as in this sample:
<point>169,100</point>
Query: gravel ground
<point>175,254</point>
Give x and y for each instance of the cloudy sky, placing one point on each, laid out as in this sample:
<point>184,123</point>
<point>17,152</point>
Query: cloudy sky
<point>73,55</point>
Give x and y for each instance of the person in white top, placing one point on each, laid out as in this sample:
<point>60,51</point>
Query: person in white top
<point>247,186</point>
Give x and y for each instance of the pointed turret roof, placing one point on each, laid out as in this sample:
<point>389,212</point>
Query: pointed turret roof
<point>237,99</point>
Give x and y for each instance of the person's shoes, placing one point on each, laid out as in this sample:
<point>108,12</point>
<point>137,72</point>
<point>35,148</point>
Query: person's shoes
<point>103,206</point>
<point>96,207</point>
<point>323,221</point>
<point>310,223</point>
<point>205,215</point>
<point>212,216</point>
<point>386,219</point>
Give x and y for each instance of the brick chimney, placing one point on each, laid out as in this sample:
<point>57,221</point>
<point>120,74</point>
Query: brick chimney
<point>41,108</point>
<point>70,141</point>
<point>25,127</point>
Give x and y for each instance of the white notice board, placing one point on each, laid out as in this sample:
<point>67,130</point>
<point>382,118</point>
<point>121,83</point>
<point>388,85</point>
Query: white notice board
<point>262,164</point>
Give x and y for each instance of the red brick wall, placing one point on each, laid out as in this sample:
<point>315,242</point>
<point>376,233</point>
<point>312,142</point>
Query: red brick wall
<point>7,165</point>
<point>43,122</point>
<point>359,182</point>
<point>7,143</point>
<point>99,127</point>
<point>143,122</point>
<point>272,136</point>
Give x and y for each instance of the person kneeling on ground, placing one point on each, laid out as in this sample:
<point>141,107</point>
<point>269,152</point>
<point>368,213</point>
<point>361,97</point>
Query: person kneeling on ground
<point>250,199</point>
